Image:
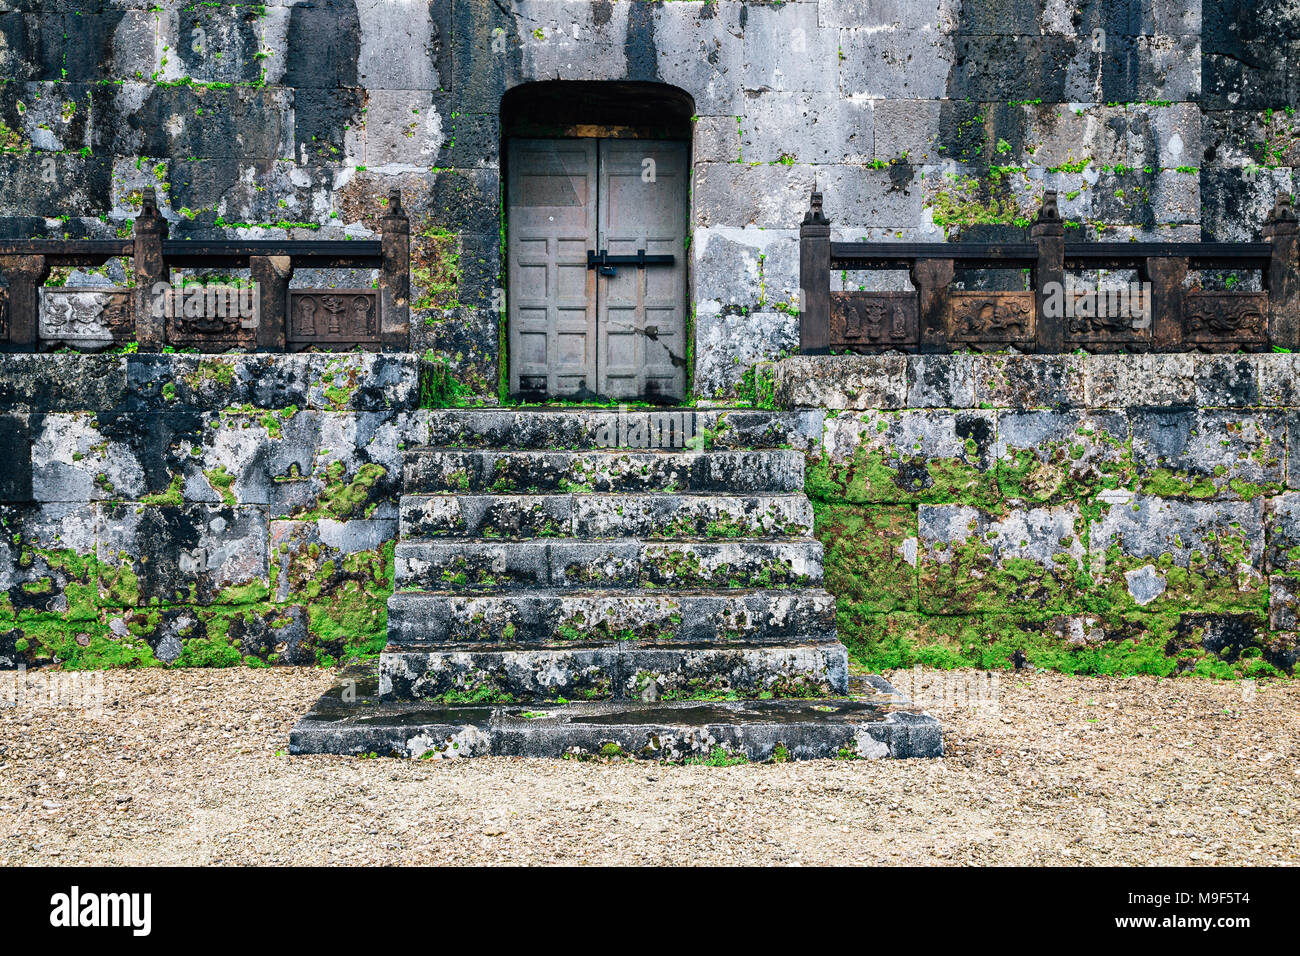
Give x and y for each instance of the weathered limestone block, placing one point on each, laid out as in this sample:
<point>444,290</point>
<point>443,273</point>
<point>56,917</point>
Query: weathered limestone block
<point>217,381</point>
<point>728,345</point>
<point>188,554</point>
<point>1202,453</point>
<point>1279,378</point>
<point>543,617</point>
<point>1117,381</point>
<point>896,63</point>
<point>1284,602</point>
<point>835,382</point>
<point>47,560</point>
<point>61,383</point>
<point>816,127</point>
<point>531,472</point>
<point>1283,530</point>
<point>575,41</point>
<point>465,677</point>
<point>784,48</point>
<point>867,197</point>
<point>340,573</point>
<point>907,130</point>
<point>906,457</point>
<point>486,516</point>
<point>940,381</point>
<point>871,554</point>
<point>401,44</point>
<point>736,194</point>
<point>695,47</point>
<point>1062,455</point>
<point>781,564</point>
<point>745,269</point>
<point>682,516</point>
<point>1293,452</point>
<point>16,463</point>
<point>73,461</point>
<point>1229,380</point>
<point>1157,553</point>
<point>690,673</point>
<point>971,560</point>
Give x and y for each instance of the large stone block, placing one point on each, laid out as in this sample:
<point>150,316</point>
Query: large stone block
<point>1116,381</point>
<point>196,554</point>
<point>729,345</point>
<point>907,457</point>
<point>896,63</point>
<point>1207,453</point>
<point>940,381</point>
<point>784,48</point>
<point>47,560</point>
<point>816,127</point>
<point>972,560</point>
<point>74,461</point>
<point>842,382</point>
<point>871,554</point>
<point>1156,553</point>
<point>16,465</point>
<point>1283,517</point>
<point>1062,455</point>
<point>736,194</point>
<point>1029,381</point>
<point>61,383</point>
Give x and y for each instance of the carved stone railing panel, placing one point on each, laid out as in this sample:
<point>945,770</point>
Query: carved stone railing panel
<point>874,321</point>
<point>335,318</point>
<point>992,320</point>
<point>86,319</point>
<point>209,318</point>
<point>1226,320</point>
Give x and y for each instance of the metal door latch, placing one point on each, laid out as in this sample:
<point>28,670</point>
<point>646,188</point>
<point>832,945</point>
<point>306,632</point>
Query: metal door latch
<point>608,265</point>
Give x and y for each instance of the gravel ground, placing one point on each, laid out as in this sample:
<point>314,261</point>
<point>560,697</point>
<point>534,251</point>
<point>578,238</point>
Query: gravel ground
<point>189,767</point>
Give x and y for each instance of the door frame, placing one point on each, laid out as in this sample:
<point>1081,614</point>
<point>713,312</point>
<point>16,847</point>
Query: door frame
<point>582,109</point>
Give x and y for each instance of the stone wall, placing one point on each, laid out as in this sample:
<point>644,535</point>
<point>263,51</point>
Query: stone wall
<point>917,118</point>
<point>1099,513</point>
<point>200,509</point>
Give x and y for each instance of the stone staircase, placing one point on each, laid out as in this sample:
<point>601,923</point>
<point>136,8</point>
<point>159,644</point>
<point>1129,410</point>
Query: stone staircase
<point>557,596</point>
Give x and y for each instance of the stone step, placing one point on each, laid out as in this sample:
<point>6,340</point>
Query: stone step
<point>875,722</point>
<point>517,673</point>
<point>605,516</point>
<point>554,429</point>
<point>475,565</point>
<point>456,471</point>
<point>529,617</point>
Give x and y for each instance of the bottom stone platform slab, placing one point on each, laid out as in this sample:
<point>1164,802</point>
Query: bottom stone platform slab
<point>874,722</point>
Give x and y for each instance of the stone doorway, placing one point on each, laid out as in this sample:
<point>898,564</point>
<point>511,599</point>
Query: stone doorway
<point>597,207</point>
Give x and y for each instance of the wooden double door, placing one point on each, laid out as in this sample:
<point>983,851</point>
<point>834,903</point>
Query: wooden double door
<point>596,244</point>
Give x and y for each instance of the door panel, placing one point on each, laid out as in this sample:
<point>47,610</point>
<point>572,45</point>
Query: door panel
<point>552,309</point>
<point>576,331</point>
<point>641,312</point>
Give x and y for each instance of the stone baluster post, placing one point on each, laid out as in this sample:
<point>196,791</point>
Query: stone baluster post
<point>1048,234</point>
<point>395,278</point>
<point>150,269</point>
<point>815,280</point>
<point>933,279</point>
<point>271,274</point>
<point>1166,275</point>
<point>26,275</point>
<point>1283,276</point>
